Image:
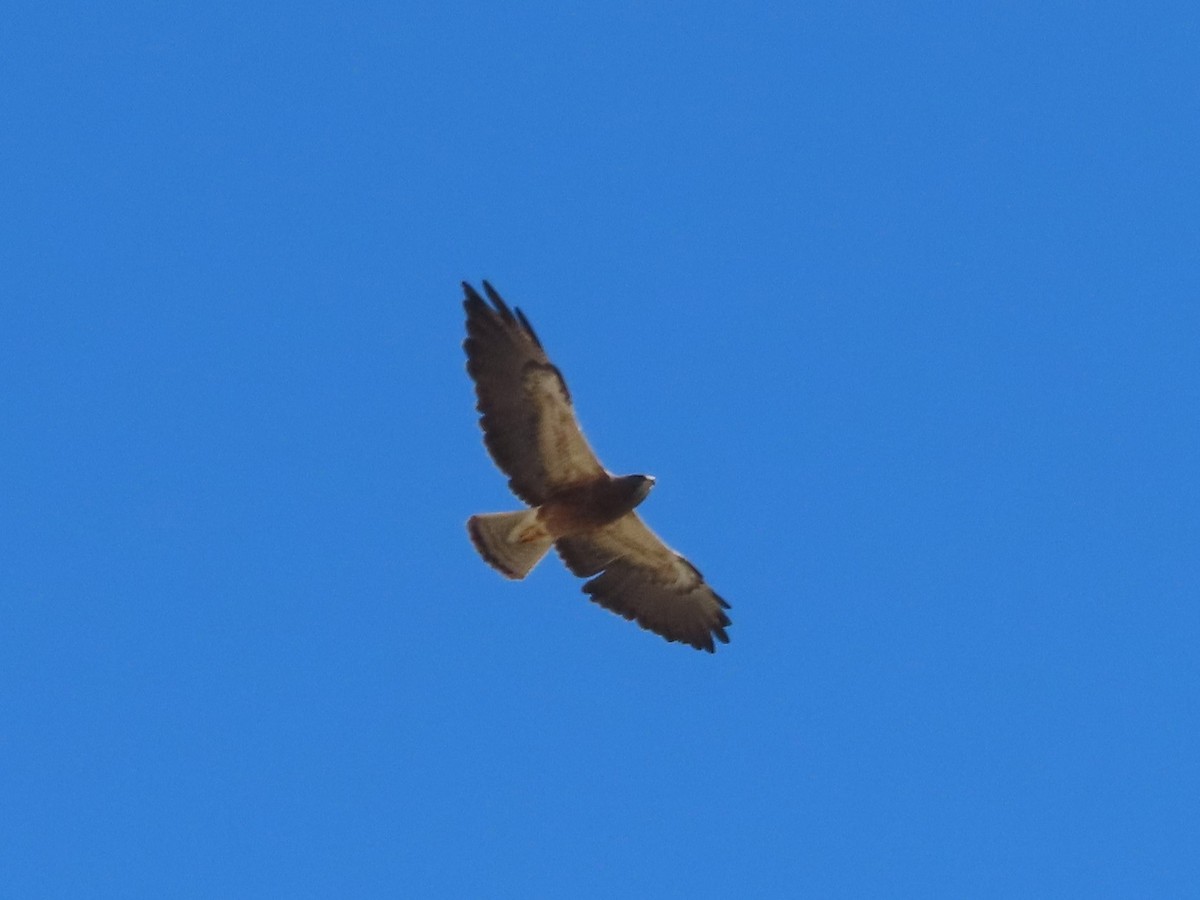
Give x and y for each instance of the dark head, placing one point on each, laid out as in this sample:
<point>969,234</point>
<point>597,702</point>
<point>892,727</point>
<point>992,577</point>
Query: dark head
<point>638,486</point>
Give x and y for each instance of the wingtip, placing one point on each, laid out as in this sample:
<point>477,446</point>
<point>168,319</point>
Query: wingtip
<point>497,300</point>
<point>471,297</point>
<point>528,328</point>
<point>497,306</point>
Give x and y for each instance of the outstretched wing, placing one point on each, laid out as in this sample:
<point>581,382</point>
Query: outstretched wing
<point>641,578</point>
<point>528,423</point>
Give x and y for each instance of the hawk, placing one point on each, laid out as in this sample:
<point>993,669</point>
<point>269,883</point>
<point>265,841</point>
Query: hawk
<point>575,505</point>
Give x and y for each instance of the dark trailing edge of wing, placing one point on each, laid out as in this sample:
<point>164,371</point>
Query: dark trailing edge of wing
<point>624,590</point>
<point>699,639</point>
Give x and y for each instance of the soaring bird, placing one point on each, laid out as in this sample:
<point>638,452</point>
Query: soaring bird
<point>575,505</point>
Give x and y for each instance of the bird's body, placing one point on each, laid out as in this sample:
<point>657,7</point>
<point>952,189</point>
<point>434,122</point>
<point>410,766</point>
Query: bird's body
<point>582,508</point>
<point>576,505</point>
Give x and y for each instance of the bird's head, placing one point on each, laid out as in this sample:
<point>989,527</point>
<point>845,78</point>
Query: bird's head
<point>642,485</point>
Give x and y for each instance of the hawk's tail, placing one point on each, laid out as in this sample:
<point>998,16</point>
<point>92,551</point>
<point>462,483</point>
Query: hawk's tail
<point>511,542</point>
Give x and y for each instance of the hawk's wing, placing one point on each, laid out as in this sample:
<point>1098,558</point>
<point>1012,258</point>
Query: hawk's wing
<point>528,423</point>
<point>642,578</point>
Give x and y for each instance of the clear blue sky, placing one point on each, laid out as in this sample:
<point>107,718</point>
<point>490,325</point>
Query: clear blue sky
<point>899,302</point>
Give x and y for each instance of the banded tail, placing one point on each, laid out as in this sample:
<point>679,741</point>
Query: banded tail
<point>510,542</point>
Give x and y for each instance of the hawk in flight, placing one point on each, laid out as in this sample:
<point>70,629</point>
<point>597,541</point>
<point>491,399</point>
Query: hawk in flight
<point>576,505</point>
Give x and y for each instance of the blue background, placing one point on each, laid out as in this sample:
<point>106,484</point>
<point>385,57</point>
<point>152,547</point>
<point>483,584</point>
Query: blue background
<point>898,301</point>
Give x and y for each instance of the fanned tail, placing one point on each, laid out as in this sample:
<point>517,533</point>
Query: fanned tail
<point>511,542</point>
